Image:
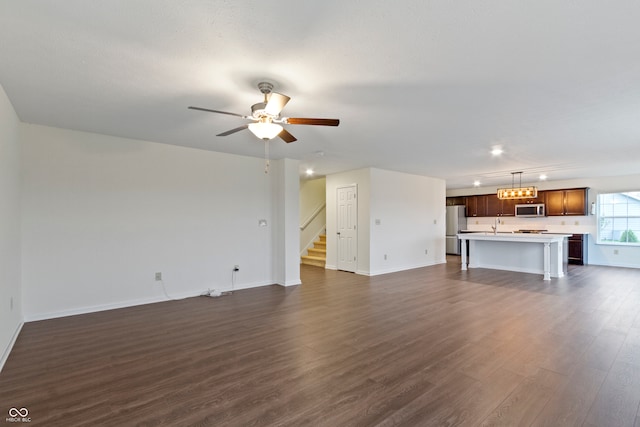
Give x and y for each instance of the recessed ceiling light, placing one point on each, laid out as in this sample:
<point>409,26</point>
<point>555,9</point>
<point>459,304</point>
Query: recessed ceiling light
<point>309,172</point>
<point>496,151</point>
<point>543,177</point>
<point>476,183</point>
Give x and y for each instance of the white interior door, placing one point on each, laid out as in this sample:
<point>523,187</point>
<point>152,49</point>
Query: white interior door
<point>347,228</point>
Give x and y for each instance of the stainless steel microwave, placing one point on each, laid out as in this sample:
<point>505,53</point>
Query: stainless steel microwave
<point>530,210</point>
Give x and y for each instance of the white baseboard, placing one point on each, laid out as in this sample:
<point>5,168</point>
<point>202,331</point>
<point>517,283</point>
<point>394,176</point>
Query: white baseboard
<point>621,265</point>
<point>32,317</point>
<point>290,283</point>
<point>131,303</point>
<point>393,269</point>
<point>7,350</point>
<point>403,268</point>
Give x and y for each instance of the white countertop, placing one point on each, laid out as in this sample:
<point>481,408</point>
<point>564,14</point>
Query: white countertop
<point>519,232</point>
<point>514,237</point>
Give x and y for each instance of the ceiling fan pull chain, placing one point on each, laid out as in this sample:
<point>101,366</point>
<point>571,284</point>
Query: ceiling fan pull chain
<point>266,156</point>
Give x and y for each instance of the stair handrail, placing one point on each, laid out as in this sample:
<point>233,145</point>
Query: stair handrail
<point>313,216</point>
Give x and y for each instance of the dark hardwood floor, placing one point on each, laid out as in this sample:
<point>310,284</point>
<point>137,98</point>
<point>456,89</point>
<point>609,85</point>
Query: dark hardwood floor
<point>426,347</point>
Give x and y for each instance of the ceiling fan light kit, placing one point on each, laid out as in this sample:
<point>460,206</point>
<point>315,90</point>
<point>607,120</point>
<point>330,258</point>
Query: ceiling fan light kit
<point>266,117</point>
<point>265,130</point>
<point>520,192</point>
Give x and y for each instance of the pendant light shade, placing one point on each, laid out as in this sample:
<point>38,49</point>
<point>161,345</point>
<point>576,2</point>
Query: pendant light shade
<point>517,192</point>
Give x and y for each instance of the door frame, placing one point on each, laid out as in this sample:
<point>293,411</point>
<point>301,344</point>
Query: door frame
<point>353,267</point>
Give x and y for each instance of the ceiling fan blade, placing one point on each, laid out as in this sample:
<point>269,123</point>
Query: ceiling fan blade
<point>307,121</point>
<point>215,111</point>
<point>234,130</point>
<point>276,103</point>
<point>286,136</point>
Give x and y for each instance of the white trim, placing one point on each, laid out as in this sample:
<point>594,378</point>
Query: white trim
<point>402,268</point>
<point>313,215</point>
<point>289,283</point>
<point>132,303</point>
<point>91,309</point>
<point>615,265</point>
<point>7,351</point>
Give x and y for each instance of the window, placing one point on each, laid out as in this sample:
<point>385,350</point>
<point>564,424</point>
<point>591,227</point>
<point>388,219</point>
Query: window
<point>619,218</point>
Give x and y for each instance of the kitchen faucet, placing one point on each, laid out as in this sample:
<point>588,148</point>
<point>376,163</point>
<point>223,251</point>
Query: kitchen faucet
<point>495,226</point>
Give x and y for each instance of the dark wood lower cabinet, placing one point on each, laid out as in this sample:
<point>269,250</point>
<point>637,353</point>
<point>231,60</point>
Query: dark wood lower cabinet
<point>578,249</point>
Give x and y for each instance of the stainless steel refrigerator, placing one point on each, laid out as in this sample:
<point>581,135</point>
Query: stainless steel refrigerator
<point>456,221</point>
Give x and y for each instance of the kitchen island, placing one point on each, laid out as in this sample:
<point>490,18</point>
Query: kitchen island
<point>544,254</point>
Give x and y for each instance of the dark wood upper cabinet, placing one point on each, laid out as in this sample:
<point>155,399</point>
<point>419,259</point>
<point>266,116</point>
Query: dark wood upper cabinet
<point>509,207</point>
<point>490,205</point>
<point>476,205</point>
<point>497,207</point>
<point>576,201</point>
<point>538,199</point>
<point>494,206</point>
<point>454,201</point>
<point>571,201</point>
<point>566,202</point>
<point>554,202</point>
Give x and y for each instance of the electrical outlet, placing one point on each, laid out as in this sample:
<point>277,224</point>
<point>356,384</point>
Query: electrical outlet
<point>435,221</point>
<point>158,276</point>
<point>385,257</point>
<point>615,252</point>
<point>426,251</point>
<point>577,223</point>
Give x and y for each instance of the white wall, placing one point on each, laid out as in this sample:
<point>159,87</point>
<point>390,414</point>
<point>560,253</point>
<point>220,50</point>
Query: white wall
<point>407,207</point>
<point>102,214</point>
<point>411,215</point>
<point>286,211</point>
<point>312,196</point>
<point>10,280</point>
<point>626,256</point>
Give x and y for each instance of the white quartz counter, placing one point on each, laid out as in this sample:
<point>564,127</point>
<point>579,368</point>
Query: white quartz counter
<point>544,254</point>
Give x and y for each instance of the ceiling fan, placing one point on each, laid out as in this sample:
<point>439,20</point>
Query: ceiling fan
<point>266,117</point>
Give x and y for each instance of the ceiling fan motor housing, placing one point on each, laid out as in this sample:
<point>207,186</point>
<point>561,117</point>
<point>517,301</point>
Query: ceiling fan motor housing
<point>257,110</point>
<point>265,87</point>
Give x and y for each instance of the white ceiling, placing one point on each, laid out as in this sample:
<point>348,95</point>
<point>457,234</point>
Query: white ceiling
<point>423,87</point>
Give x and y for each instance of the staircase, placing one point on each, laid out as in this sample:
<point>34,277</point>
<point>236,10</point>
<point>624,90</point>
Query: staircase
<point>318,254</point>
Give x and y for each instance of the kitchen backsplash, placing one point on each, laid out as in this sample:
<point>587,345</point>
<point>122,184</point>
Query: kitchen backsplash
<point>553,224</point>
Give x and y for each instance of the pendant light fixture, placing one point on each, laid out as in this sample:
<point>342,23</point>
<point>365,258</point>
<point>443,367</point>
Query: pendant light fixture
<point>519,192</point>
